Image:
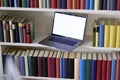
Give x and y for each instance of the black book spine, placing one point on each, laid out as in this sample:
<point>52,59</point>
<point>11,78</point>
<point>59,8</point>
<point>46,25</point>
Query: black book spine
<point>35,67</point>
<point>17,32</point>
<point>45,69</point>
<point>11,3</point>
<point>71,68</point>
<point>1,32</point>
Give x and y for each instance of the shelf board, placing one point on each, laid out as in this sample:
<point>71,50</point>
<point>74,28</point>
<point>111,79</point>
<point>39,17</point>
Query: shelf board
<point>60,10</point>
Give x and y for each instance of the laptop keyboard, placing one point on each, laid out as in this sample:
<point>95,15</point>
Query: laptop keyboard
<point>63,41</point>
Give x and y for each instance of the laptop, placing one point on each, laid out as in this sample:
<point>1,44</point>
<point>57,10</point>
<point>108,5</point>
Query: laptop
<point>67,31</point>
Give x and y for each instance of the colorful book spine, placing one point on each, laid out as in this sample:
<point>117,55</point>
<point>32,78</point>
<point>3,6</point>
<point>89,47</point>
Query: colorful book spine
<point>61,67</point>
<point>87,5</point>
<point>118,5</point>
<point>49,62</point>
<point>94,70</point>
<point>24,3</point>
<point>104,4</point>
<point>22,65</point>
<point>6,3</point>
<point>63,4</point>
<point>40,67</point>
<point>82,4</point>
<point>69,4</point>
<point>97,36</point>
<point>28,3</point>
<point>113,4</point>
<point>82,69</point>
<point>113,69</point>
<point>118,37</point>
<point>96,5</point>
<point>53,4</point>
<point>71,68</point>
<point>65,68</point>
<point>28,33</point>
<point>36,3</point>
<point>92,4</point>
<point>59,4</point>
<point>21,32</point>
<point>88,69</point>
<point>74,4</point>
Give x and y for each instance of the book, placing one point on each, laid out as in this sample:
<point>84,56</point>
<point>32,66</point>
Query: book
<point>97,35</point>
<point>107,34</point>
<point>28,33</point>
<point>30,66</point>
<point>71,65</point>
<point>69,4</point>
<point>117,65</point>
<point>54,64</point>
<point>49,63</point>
<point>92,4</point>
<point>113,66</point>
<point>6,3</point>
<point>58,64</point>
<point>83,66</point>
<point>118,36</point>
<point>2,3</point>
<point>108,4</point>
<point>101,4</point>
<point>15,3</point>
<point>104,66</point>
<point>65,64</point>
<point>43,3</point>
<point>45,65</point>
<point>118,5</point>
<point>77,66</point>
<point>94,66</point>
<point>101,33</point>
<point>82,4</point>
<point>96,5</point>
<point>16,58</point>
<point>74,4</point>
<point>113,31</point>
<point>59,4</point>
<point>113,4</point>
<point>28,3</point>
<point>109,61</point>
<point>87,4</point>
<point>40,63</point>
<point>99,67</point>
<point>24,3</point>
<point>105,4</point>
<point>47,4</point>
<point>61,65</point>
<point>35,63</point>
<point>36,3</point>
<point>40,3</point>
<point>94,33</point>
<point>77,4</point>
<point>22,63</point>
<point>63,4</point>
<point>32,4</point>
<point>53,4</point>
<point>88,66</point>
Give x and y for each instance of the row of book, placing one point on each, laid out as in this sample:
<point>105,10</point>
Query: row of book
<point>64,4</point>
<point>106,33</point>
<point>62,64</point>
<point>16,29</point>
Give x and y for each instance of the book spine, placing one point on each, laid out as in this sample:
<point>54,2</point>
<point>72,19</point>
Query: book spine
<point>113,70</point>
<point>74,4</point>
<point>53,67</point>
<point>28,34</point>
<point>15,3</point>
<point>28,3</point>
<point>35,66</point>
<point>94,70</point>
<point>54,4</point>
<point>26,66</point>
<point>1,31</point>
<point>87,5</point>
<point>82,4</point>
<point>71,68</point>
<point>40,4</point>
<point>82,69</point>
<point>32,4</point>
<point>2,3</point>
<point>7,32</point>
<point>58,4</point>
<point>40,67</point>
<point>17,32</point>
<point>24,33</point>
<point>88,69</point>
<point>45,69</point>
<point>118,37</point>
<point>57,67</point>
<point>21,33</point>
<point>6,3</point>
<point>48,4</point>
<point>113,31</point>
<point>36,3</point>
<point>69,4</point>
<point>118,5</point>
<point>101,36</point>
<point>77,69</point>
<point>78,4</point>
<point>30,66</point>
<point>22,65</point>
<point>96,5</point>
<point>97,37</point>
<point>113,4</point>
<point>61,67</point>
<point>63,4</point>
<point>99,70</point>
<point>117,68</point>
<point>11,3</point>
<point>104,4</point>
<point>24,3</point>
<point>92,4</point>
<point>65,68</point>
<point>49,62</point>
<point>104,69</point>
<point>108,75</point>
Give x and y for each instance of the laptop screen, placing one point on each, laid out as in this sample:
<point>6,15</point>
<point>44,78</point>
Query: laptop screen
<point>69,25</point>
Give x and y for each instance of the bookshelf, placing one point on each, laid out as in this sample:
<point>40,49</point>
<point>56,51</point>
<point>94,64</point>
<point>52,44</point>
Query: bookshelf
<point>43,25</point>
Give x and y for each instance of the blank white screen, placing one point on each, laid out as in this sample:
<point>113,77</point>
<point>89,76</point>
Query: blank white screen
<point>69,26</point>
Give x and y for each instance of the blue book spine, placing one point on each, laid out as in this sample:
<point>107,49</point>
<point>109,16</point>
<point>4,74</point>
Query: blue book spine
<point>1,32</point>
<point>15,3</point>
<point>94,70</point>
<point>104,4</point>
<point>61,67</point>
<point>21,35</point>
<point>87,5</point>
<point>113,4</point>
<point>113,70</point>
<point>101,35</point>
<point>63,4</point>
<point>28,3</point>
<point>82,69</point>
<point>92,4</point>
<point>65,68</point>
<point>22,65</point>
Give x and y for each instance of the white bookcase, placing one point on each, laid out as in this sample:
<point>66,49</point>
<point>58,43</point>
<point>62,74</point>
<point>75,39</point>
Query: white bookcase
<point>43,24</point>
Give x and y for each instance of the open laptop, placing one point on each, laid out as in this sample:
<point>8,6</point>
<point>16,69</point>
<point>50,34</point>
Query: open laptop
<point>68,31</point>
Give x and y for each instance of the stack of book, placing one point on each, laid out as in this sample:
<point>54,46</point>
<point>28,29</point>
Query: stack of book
<point>16,29</point>
<point>64,4</point>
<point>63,64</point>
<point>106,33</point>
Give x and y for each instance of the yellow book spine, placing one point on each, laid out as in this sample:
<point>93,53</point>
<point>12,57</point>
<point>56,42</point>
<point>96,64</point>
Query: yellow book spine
<point>96,39</point>
<point>118,37</point>
<point>96,4</point>
<point>106,35</point>
<point>113,32</point>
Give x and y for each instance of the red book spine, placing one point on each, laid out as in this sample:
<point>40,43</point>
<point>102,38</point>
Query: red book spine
<point>53,3</point>
<point>40,67</point>
<point>99,70</point>
<point>104,69</point>
<point>108,75</point>
<point>36,3</point>
<point>58,4</point>
<point>49,66</point>
<point>69,4</point>
<point>78,4</point>
<point>2,3</point>
<point>57,67</point>
<point>74,4</point>
<point>117,69</point>
<point>82,4</point>
<point>28,34</point>
<point>32,4</point>
<point>118,4</point>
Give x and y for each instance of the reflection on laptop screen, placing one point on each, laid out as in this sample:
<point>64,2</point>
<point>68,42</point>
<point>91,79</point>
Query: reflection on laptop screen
<point>69,25</point>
